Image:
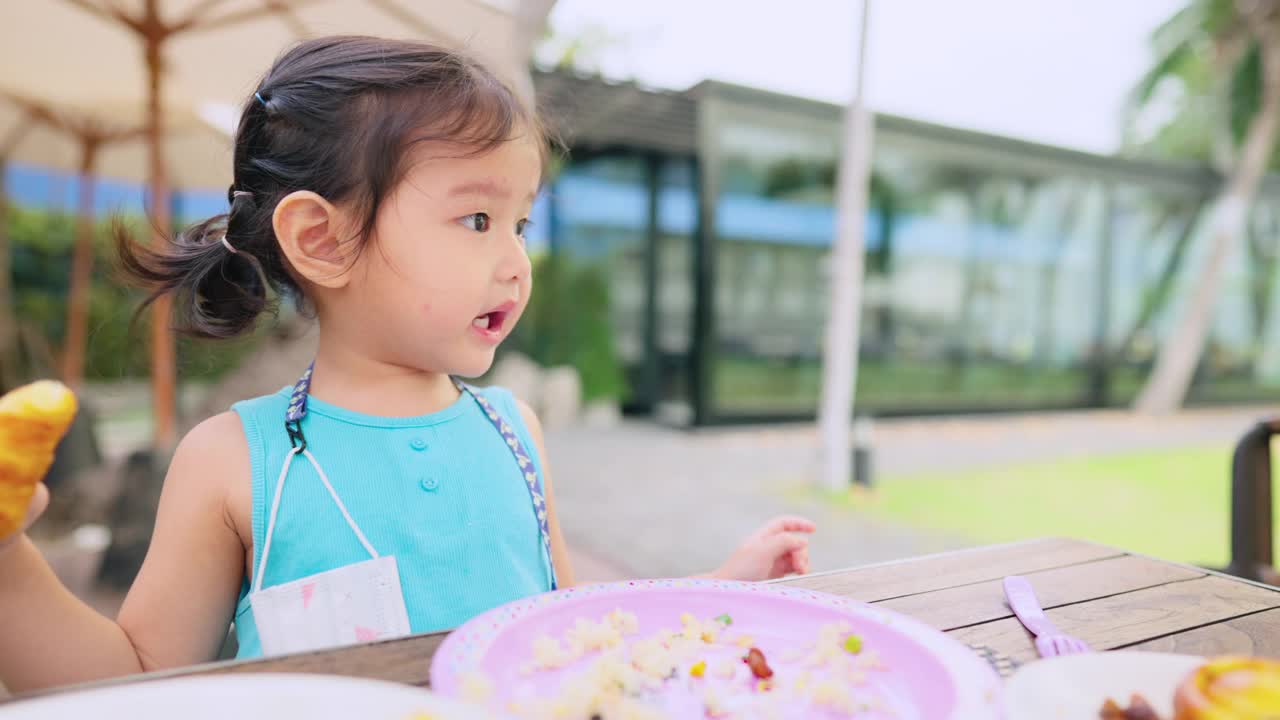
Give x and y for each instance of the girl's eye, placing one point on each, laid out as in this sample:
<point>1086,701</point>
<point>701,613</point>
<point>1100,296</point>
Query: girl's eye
<point>477,221</point>
<point>521,227</point>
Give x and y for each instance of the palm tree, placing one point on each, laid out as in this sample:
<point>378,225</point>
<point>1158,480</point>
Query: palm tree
<point>1225,55</point>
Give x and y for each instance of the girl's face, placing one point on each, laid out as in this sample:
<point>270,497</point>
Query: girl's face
<point>446,276</point>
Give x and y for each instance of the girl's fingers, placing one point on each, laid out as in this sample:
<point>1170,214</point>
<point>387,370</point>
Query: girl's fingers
<point>35,508</point>
<point>800,560</point>
<point>783,544</point>
<point>39,503</point>
<point>789,523</point>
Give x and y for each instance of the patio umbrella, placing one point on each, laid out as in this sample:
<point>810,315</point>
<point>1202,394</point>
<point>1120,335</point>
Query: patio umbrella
<point>157,57</point>
<point>96,145</point>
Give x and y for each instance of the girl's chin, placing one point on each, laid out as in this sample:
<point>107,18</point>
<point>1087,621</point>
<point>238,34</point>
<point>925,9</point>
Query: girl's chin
<point>473,367</point>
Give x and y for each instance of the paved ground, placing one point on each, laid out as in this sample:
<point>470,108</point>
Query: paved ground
<point>650,501</point>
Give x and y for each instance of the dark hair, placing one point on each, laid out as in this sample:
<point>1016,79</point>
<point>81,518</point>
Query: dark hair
<point>336,116</point>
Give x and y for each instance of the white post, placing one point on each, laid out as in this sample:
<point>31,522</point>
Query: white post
<point>840,353</point>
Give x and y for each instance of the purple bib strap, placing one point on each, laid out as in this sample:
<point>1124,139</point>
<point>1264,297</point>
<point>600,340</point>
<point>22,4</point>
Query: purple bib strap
<point>533,480</point>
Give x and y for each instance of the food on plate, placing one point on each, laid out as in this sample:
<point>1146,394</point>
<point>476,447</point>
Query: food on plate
<point>33,418</point>
<point>1138,709</point>
<point>1224,688</point>
<point>607,670</point>
<point>853,644</point>
<point>584,637</point>
<point>1230,688</point>
<point>759,666</point>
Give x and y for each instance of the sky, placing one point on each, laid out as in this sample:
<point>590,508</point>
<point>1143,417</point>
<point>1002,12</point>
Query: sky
<point>1050,71</point>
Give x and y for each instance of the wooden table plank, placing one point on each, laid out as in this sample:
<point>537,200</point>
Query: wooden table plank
<point>405,660</point>
<point>1110,598</point>
<point>948,570</point>
<point>1257,634</point>
<point>984,602</point>
<point>1134,617</point>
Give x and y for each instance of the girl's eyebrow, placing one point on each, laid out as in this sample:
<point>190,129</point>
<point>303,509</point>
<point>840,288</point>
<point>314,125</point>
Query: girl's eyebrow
<point>486,187</point>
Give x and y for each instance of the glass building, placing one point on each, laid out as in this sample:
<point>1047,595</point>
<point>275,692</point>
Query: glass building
<point>1000,275</point>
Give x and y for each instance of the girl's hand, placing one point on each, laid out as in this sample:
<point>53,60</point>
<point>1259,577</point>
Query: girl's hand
<point>778,549</point>
<point>39,502</point>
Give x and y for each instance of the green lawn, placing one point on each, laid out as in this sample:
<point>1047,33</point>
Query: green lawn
<point>1174,504</point>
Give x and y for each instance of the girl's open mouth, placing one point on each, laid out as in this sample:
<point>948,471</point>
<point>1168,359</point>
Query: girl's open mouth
<point>491,325</point>
<point>490,321</point>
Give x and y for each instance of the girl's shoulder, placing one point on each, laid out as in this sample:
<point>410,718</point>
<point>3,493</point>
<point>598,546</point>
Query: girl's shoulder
<point>215,448</point>
<point>272,402</point>
<point>515,411</point>
<point>509,406</point>
<point>211,462</point>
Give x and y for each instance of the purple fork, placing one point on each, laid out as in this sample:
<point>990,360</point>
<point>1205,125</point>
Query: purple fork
<point>1050,641</point>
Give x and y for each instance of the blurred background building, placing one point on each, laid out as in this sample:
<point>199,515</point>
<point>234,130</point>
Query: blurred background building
<point>1001,274</point>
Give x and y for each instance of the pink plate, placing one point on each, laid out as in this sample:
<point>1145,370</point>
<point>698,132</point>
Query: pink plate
<point>925,675</point>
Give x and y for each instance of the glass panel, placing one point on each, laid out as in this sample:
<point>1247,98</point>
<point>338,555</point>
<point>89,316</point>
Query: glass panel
<point>677,225</point>
<point>981,286</point>
<point>1158,236</point>
<point>593,221</point>
<point>1242,356</point>
<point>773,227</point>
<point>981,281</point>
<point>998,275</point>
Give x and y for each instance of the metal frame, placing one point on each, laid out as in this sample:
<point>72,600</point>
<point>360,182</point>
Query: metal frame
<point>1251,517</point>
<point>648,394</point>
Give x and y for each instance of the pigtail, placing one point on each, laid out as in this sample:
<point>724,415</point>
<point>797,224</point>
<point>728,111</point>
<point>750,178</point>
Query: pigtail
<point>217,286</point>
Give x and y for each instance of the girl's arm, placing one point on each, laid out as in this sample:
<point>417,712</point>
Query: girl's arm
<point>559,550</point>
<point>778,548</point>
<point>181,604</point>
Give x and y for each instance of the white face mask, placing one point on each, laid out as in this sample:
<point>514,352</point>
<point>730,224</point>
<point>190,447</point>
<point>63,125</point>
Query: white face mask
<point>356,603</point>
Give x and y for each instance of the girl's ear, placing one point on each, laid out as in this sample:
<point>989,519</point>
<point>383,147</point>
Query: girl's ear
<point>308,229</point>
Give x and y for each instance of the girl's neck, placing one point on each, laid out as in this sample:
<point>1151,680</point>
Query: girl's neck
<point>362,384</point>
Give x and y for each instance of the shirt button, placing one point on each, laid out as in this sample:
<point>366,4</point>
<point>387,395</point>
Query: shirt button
<point>418,444</point>
<point>429,484</point>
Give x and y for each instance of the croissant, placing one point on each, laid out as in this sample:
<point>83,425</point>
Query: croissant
<point>33,419</point>
<point>1230,688</point>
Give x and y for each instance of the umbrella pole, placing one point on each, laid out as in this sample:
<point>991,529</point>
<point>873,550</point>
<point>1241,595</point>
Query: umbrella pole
<point>73,350</point>
<point>163,355</point>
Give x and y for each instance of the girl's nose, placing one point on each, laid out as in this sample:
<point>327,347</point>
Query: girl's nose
<point>515,263</point>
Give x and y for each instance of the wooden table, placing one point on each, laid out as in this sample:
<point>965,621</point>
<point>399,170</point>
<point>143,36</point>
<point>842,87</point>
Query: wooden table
<point>1110,598</point>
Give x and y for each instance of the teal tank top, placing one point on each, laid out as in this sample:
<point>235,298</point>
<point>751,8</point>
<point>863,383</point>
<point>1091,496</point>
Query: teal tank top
<point>441,492</point>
